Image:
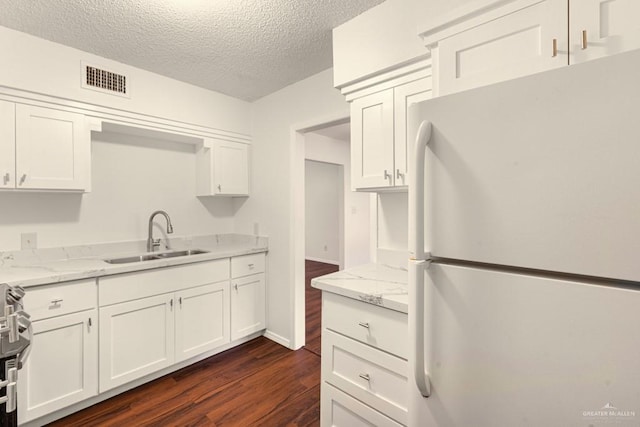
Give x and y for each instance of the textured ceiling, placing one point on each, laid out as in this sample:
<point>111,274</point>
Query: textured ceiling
<point>243,48</point>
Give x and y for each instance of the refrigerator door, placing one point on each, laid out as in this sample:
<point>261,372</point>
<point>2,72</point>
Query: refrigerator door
<point>505,349</point>
<point>540,172</point>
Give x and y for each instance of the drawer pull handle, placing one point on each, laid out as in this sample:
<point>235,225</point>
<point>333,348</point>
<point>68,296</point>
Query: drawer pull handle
<point>364,324</point>
<point>365,377</point>
<point>250,266</point>
<point>56,301</point>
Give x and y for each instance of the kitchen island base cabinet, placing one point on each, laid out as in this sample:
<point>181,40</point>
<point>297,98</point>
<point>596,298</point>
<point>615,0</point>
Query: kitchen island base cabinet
<point>54,375</point>
<point>136,339</point>
<point>202,320</point>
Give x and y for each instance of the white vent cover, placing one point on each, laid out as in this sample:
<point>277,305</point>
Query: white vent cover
<point>97,78</point>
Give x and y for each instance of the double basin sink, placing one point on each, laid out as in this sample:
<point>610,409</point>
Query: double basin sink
<point>153,257</point>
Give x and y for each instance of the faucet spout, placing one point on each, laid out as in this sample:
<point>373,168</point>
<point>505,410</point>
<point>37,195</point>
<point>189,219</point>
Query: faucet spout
<point>152,244</point>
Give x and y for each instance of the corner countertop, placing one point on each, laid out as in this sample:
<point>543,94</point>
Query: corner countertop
<point>53,265</point>
<point>377,284</point>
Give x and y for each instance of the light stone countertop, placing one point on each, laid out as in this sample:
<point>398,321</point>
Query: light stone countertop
<point>53,265</point>
<point>377,284</point>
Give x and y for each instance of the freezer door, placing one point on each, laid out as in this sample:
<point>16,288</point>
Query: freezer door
<point>540,172</point>
<point>505,349</point>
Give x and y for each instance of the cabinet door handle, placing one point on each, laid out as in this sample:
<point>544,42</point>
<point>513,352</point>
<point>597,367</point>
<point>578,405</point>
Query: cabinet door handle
<point>364,324</point>
<point>387,175</point>
<point>23,178</point>
<point>584,40</point>
<point>554,48</point>
<point>90,323</point>
<point>171,302</point>
<point>250,266</point>
<point>219,187</point>
<point>56,301</point>
<point>399,174</point>
<point>235,286</point>
<point>365,377</point>
<point>6,178</point>
<point>180,301</point>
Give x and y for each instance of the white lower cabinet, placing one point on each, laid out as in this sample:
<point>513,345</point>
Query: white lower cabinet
<point>202,320</point>
<point>364,364</point>
<point>247,305</point>
<point>136,339</point>
<point>341,410</point>
<point>148,321</point>
<point>62,366</point>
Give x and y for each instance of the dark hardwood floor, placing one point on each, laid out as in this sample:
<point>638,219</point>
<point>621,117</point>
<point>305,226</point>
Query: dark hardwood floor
<point>313,302</point>
<point>259,383</point>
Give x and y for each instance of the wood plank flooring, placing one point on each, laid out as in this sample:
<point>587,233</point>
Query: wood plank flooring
<point>259,383</point>
<point>313,299</point>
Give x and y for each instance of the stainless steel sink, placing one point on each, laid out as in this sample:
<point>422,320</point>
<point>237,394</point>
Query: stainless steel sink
<point>152,257</point>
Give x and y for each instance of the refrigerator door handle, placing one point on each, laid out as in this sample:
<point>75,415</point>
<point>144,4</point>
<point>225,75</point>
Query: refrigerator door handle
<point>418,258</point>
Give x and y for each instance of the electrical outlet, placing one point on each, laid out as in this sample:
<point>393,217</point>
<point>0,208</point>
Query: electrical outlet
<point>29,240</point>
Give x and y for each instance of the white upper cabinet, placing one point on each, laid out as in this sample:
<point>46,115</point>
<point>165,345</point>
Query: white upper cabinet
<point>7,144</point>
<point>372,140</point>
<point>496,40</point>
<point>223,169</point>
<point>530,40</point>
<point>43,149</point>
<point>379,138</point>
<point>603,27</point>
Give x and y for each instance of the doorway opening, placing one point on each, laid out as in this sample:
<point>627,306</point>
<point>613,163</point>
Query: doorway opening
<point>332,222</point>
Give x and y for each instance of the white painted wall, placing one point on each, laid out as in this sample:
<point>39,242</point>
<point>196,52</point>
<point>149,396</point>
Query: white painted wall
<point>393,211</point>
<point>132,177</point>
<point>383,37</point>
<point>323,211</point>
<point>357,243</point>
<point>277,170</point>
<point>44,67</point>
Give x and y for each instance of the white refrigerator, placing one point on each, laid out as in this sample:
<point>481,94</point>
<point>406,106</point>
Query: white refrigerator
<point>525,252</point>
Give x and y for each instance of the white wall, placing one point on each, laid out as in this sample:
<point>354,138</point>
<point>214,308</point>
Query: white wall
<point>44,67</point>
<point>356,205</point>
<point>131,178</point>
<point>323,211</point>
<point>271,204</point>
<point>383,36</point>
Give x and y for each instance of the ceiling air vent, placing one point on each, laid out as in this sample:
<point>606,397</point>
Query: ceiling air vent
<point>99,79</point>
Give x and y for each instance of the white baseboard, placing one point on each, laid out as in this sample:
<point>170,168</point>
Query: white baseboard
<point>326,261</point>
<point>278,339</point>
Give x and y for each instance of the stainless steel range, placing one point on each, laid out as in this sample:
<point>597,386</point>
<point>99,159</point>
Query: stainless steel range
<point>15,341</point>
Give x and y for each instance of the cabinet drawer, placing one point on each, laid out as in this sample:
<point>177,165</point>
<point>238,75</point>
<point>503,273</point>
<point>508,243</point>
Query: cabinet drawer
<point>42,302</point>
<point>341,410</point>
<point>371,376</point>
<point>246,265</point>
<point>131,286</point>
<point>379,327</point>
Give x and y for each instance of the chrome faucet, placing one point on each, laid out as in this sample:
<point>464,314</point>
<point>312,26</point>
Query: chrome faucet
<point>152,243</point>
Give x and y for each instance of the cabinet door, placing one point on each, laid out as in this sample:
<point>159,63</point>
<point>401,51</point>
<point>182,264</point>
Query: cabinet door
<point>372,141</point>
<point>62,368</point>
<point>7,145</point>
<point>247,306</point>
<point>231,169</point>
<point>202,319</point>
<point>609,26</point>
<point>52,149</point>
<point>136,339</point>
<point>404,96</point>
<point>511,46</point>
